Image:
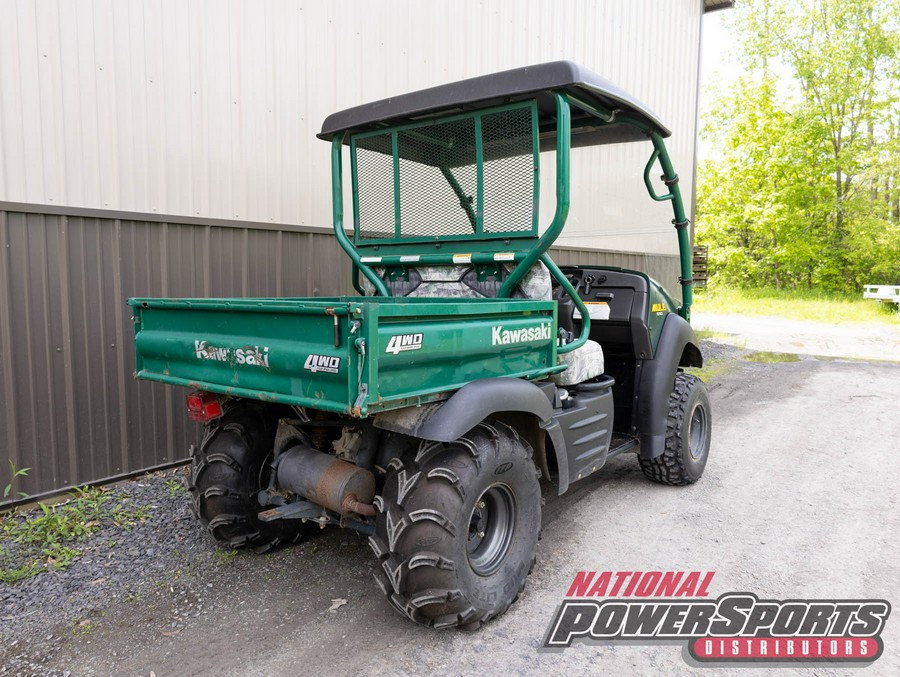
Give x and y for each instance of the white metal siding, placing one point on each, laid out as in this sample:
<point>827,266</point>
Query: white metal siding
<point>210,108</point>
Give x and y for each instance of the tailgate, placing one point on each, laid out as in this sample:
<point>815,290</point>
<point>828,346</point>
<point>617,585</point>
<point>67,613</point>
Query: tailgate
<point>293,351</point>
<point>351,355</point>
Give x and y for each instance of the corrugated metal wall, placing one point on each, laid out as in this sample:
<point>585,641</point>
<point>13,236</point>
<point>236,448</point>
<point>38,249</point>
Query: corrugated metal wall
<point>209,108</point>
<point>70,409</point>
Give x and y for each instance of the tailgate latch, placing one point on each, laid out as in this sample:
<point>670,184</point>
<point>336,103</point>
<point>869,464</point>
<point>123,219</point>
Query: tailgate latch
<point>360,399</point>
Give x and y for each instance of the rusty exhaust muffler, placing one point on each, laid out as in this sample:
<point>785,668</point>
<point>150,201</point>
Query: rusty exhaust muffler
<point>335,484</point>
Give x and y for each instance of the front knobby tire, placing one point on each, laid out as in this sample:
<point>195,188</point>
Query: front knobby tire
<point>457,528</point>
<point>688,430</point>
<point>229,468</point>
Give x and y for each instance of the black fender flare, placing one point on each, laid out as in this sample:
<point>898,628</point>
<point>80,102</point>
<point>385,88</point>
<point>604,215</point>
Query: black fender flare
<point>470,405</point>
<point>678,346</point>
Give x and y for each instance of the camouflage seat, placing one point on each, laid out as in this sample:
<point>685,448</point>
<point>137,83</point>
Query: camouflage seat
<point>461,281</point>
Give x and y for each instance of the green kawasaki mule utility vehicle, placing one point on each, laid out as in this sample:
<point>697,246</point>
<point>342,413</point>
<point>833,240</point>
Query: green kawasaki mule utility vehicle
<point>424,411</point>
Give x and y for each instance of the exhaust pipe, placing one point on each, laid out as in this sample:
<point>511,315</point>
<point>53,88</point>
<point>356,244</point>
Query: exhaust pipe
<point>335,484</point>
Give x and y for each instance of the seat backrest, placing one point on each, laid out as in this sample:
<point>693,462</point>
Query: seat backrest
<point>461,281</point>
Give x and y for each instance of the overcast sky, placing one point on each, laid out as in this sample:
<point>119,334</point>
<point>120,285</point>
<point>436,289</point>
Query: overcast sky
<point>719,55</point>
<point>718,60</point>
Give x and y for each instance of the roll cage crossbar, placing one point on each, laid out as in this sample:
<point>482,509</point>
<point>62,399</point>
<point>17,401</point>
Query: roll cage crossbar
<point>596,116</point>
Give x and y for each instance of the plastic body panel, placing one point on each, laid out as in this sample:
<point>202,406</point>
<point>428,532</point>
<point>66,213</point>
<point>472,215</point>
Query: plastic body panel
<point>626,294</point>
<point>348,354</point>
<point>643,340</point>
<point>586,425</point>
<point>470,405</point>
<point>656,380</point>
<point>496,88</point>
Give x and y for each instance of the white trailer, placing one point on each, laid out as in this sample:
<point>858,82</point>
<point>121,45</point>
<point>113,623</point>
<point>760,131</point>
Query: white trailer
<point>883,293</point>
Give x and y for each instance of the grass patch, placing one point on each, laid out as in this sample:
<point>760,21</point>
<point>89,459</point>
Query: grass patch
<point>223,557</point>
<point>175,487</point>
<point>710,335</point>
<point>861,360</point>
<point>15,474</point>
<point>82,628</point>
<point>46,538</point>
<point>768,357</point>
<point>816,306</point>
<point>711,370</point>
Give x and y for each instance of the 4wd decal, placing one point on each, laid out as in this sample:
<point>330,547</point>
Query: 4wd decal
<point>252,355</point>
<point>325,363</point>
<point>403,342</point>
<point>501,336</point>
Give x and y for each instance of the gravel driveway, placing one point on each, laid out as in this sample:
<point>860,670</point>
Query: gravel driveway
<point>777,334</point>
<point>799,500</point>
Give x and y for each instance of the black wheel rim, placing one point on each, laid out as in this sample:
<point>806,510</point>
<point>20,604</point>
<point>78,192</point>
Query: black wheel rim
<point>491,528</point>
<point>697,432</point>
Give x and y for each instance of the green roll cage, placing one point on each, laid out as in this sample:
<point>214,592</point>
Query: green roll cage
<point>523,258</point>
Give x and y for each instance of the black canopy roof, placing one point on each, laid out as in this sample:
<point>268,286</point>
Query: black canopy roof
<point>531,82</point>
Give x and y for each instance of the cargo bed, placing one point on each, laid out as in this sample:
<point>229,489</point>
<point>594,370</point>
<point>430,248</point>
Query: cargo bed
<point>355,355</point>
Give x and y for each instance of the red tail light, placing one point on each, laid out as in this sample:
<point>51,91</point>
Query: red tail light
<point>203,406</point>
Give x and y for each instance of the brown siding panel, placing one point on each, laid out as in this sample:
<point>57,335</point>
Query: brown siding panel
<point>71,411</point>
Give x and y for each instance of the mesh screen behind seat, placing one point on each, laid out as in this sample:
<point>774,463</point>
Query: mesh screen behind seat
<point>436,167</point>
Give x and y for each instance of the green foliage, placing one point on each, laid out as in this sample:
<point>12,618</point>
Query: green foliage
<point>768,357</point>
<point>15,473</point>
<point>804,187</point>
<point>711,371</point>
<point>59,556</point>
<point>126,517</point>
<point>225,556</point>
<point>26,570</point>
<point>175,487</point>
<point>54,525</point>
<point>43,538</point>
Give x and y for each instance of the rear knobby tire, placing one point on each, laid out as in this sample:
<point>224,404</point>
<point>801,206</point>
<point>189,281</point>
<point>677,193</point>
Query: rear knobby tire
<point>688,430</point>
<point>457,528</point>
<point>230,466</point>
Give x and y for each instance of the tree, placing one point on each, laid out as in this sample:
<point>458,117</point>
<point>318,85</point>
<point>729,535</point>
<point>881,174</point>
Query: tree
<point>804,190</point>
